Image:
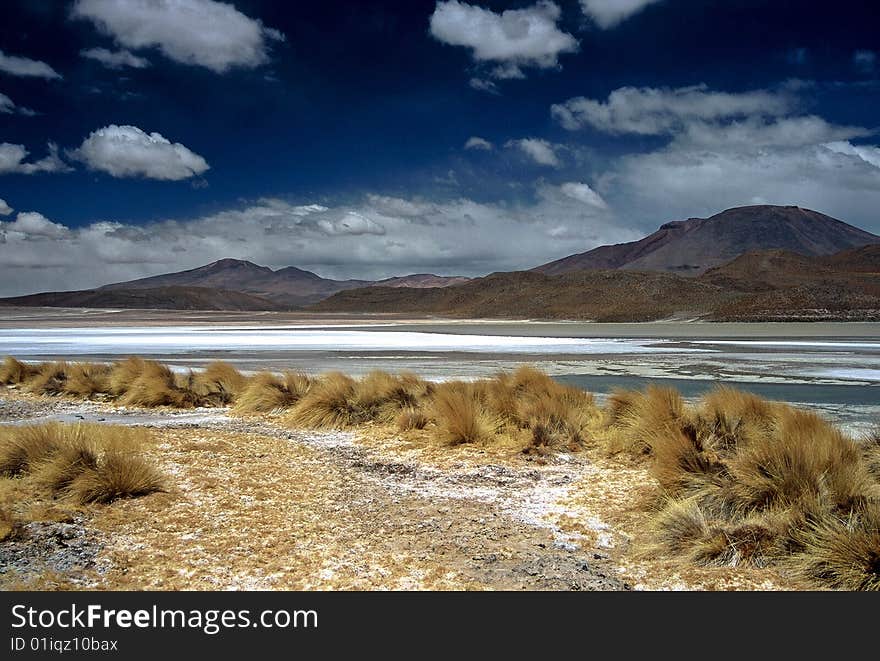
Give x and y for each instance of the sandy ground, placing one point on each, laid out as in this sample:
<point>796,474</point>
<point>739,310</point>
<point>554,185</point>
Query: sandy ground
<point>252,505</point>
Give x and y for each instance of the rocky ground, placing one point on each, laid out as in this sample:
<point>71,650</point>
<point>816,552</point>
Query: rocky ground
<point>253,505</point>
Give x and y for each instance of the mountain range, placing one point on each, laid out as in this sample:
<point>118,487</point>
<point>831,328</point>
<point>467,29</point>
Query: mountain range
<point>690,247</point>
<point>747,263</point>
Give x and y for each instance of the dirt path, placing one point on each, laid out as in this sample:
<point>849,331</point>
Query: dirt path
<point>255,506</point>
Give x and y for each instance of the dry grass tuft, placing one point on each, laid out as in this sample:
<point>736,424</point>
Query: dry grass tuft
<point>411,418</point>
<point>124,373</point>
<point>461,416</point>
<point>87,462</point>
<point>265,393</point>
<point>754,482</point>
<point>15,372</point>
<point>154,385</point>
<point>49,379</point>
<point>87,379</point>
<point>21,448</point>
<point>329,404</point>
<point>219,384</point>
<point>117,474</point>
<point>842,552</point>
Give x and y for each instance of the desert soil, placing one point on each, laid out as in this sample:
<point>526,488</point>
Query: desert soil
<point>254,505</point>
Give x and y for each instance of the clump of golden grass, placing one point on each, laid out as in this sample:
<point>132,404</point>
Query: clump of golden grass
<point>124,374</point>
<point>411,418</point>
<point>14,372</point>
<point>48,380</point>
<point>86,462</point>
<point>87,379</point>
<point>219,383</point>
<point>329,404</point>
<point>21,448</point>
<point>756,482</point>
<point>8,524</point>
<point>638,418</point>
<point>871,452</point>
<point>155,385</point>
<point>265,392</point>
<point>843,551</point>
<point>461,415</point>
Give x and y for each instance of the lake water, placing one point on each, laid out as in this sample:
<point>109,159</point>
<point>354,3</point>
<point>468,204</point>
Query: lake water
<point>834,367</point>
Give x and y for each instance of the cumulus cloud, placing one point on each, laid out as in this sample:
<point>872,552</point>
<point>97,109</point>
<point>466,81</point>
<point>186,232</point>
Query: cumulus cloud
<point>511,40</point>
<point>30,224</point>
<point>115,59</point>
<point>478,143</point>
<point>5,209</point>
<point>376,237</point>
<point>540,151</point>
<point>720,149</point>
<point>865,60</point>
<point>609,13</point>
<point>127,151</point>
<point>661,111</point>
<point>12,160</point>
<point>26,67</point>
<point>214,35</point>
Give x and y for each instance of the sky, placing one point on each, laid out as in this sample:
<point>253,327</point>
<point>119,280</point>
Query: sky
<point>368,140</point>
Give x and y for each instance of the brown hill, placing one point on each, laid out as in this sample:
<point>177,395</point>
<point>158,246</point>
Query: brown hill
<point>690,247</point>
<point>286,287</point>
<point>762,285</point>
<point>599,295</point>
<point>158,298</point>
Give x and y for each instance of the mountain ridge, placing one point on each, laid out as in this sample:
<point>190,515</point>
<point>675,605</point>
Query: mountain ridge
<point>691,247</point>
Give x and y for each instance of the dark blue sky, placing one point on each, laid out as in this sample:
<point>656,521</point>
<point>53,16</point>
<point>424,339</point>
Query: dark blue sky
<point>366,99</point>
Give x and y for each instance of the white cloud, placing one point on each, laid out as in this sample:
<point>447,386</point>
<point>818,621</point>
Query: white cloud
<point>377,237</point>
<point>754,132</point>
<point>476,142</point>
<point>515,38</point>
<point>583,193</point>
<point>507,72</point>
<point>865,60</point>
<point>127,151</point>
<point>115,59</point>
<point>351,223</point>
<point>30,224</point>
<point>8,107</point>
<point>5,209</point>
<point>682,182</point>
<point>661,111</point>
<point>867,153</point>
<point>540,151</point>
<point>210,34</point>
<point>608,13</point>
<point>12,160</point>
<point>26,67</point>
<point>727,149</point>
<point>483,85</point>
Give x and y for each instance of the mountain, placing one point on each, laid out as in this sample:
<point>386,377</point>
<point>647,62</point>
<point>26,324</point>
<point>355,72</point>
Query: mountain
<point>422,281</point>
<point>289,287</point>
<point>598,295</point>
<point>159,298</point>
<point>769,285</point>
<point>690,247</point>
